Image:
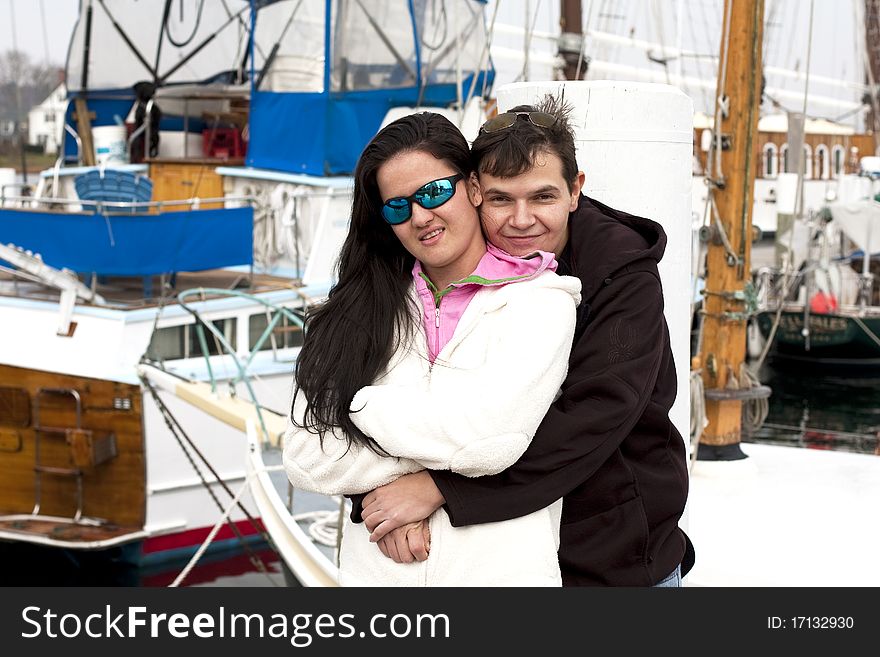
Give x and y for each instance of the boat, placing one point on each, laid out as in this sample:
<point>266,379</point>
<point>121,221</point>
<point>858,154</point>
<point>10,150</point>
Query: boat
<point>821,307</point>
<point>193,215</point>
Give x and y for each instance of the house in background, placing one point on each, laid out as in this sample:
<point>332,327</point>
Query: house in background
<point>46,120</point>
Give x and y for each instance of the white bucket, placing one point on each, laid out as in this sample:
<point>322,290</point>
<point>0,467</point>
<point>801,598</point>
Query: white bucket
<point>110,144</point>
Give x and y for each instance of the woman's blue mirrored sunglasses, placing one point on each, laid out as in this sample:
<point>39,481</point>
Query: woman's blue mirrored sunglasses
<point>430,195</point>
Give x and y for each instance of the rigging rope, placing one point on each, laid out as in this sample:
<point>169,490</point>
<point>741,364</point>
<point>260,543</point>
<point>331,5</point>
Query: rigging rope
<point>216,528</point>
<point>324,527</point>
<point>867,330</point>
<point>720,104</point>
<point>173,426</point>
<point>489,36</point>
<point>754,410</point>
<point>189,39</point>
<point>577,72</point>
<point>788,276</point>
<point>698,413</point>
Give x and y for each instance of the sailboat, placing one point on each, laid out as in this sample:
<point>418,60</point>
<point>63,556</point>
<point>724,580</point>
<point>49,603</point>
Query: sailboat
<point>819,304</point>
<point>194,214</point>
<point>823,309</point>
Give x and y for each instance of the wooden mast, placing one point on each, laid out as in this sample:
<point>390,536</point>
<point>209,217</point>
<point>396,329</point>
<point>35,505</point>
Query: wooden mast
<point>872,66</point>
<point>729,253</point>
<point>570,40</point>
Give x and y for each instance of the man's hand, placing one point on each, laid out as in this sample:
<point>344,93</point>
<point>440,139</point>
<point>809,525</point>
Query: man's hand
<point>410,498</point>
<point>406,544</point>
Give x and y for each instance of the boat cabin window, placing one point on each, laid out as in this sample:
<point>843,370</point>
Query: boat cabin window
<point>837,160</point>
<point>226,327</point>
<point>175,342</point>
<point>823,163</point>
<point>168,343</point>
<point>770,161</point>
<point>286,334</point>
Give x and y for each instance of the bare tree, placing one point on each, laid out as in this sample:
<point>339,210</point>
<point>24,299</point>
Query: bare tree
<point>21,78</point>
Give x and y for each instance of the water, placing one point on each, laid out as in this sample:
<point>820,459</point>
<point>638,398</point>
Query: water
<point>821,410</point>
<point>32,565</point>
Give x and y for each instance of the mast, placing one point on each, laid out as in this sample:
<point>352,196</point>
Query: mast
<point>571,40</point>
<point>731,177</point>
<point>872,65</point>
<point>18,83</point>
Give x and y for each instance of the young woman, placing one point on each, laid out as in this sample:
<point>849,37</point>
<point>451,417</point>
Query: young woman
<point>434,350</point>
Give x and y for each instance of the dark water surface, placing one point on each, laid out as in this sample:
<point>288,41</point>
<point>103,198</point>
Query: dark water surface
<point>821,409</point>
<point>29,565</point>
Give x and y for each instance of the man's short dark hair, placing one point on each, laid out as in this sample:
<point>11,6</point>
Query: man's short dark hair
<point>512,151</point>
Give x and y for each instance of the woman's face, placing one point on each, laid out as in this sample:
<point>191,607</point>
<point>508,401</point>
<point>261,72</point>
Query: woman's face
<point>447,239</point>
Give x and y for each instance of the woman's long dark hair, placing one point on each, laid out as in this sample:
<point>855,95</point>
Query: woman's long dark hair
<point>351,337</point>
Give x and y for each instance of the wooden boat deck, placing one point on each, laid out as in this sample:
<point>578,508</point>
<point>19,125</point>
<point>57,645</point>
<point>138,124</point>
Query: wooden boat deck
<point>57,531</point>
<point>127,292</point>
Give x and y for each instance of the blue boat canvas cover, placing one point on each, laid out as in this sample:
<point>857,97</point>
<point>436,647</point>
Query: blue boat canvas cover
<point>138,244</point>
<point>339,66</point>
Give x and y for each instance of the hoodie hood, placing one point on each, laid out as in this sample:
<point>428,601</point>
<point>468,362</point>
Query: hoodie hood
<point>610,241</point>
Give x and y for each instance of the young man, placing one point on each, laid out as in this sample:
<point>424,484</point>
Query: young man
<point>606,446</point>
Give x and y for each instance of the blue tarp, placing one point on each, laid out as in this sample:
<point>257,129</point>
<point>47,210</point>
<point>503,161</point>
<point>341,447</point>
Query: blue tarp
<point>323,134</point>
<point>134,244</point>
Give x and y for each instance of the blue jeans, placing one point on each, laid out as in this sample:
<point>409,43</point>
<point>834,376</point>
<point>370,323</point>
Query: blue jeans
<point>673,580</point>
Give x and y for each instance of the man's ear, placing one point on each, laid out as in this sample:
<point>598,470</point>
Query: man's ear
<point>576,188</point>
<point>475,192</point>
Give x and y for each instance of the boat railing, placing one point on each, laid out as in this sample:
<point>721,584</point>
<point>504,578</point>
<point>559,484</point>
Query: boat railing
<point>35,202</point>
<point>24,187</point>
<point>277,312</point>
<point>79,148</point>
<point>145,128</point>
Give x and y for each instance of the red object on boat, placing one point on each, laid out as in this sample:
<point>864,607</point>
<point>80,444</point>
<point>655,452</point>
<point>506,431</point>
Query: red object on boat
<point>222,143</point>
<point>823,303</point>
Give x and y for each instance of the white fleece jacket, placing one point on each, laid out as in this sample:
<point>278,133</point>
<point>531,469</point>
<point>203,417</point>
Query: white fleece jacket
<point>474,412</point>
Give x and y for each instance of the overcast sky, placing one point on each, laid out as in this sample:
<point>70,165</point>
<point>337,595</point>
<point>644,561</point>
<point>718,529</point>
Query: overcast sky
<point>40,39</point>
<point>834,53</point>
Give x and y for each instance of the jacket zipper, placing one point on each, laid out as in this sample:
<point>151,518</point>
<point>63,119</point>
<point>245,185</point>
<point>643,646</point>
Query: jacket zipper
<point>436,335</point>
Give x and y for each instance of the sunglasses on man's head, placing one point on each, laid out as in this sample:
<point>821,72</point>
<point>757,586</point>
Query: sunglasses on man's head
<point>507,119</point>
<point>430,195</point>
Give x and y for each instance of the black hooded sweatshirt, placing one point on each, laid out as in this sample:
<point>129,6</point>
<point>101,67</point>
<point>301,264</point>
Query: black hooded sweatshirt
<point>606,445</point>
